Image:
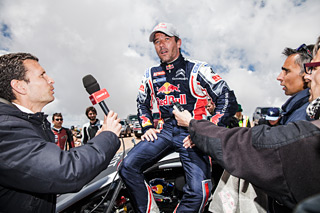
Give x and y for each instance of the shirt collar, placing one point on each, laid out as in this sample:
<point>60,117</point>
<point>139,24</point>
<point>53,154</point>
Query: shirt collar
<point>23,109</point>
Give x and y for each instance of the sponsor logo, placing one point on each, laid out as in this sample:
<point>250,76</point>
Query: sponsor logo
<point>141,88</point>
<point>159,80</point>
<point>167,88</point>
<point>180,75</point>
<point>196,67</point>
<point>169,67</point>
<point>141,97</point>
<point>168,98</point>
<point>147,73</point>
<point>215,119</point>
<point>160,26</point>
<point>216,78</point>
<point>159,73</point>
<point>145,121</point>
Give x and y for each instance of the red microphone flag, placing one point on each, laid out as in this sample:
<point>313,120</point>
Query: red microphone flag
<point>99,96</point>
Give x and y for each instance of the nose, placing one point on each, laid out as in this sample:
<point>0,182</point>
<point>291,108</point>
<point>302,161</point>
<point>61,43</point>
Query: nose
<point>307,77</point>
<point>50,80</point>
<point>161,43</point>
<point>280,77</point>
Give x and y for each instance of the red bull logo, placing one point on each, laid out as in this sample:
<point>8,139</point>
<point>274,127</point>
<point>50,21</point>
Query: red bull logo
<point>168,88</point>
<point>145,121</point>
<point>169,67</point>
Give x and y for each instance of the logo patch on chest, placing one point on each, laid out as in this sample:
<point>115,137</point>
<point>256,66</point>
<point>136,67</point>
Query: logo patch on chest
<point>159,73</point>
<point>180,75</point>
<point>168,88</point>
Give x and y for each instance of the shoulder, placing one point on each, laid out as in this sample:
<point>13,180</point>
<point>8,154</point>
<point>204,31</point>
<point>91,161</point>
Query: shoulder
<point>150,70</point>
<point>197,65</point>
<point>272,137</point>
<point>85,125</point>
<point>100,122</point>
<point>66,129</point>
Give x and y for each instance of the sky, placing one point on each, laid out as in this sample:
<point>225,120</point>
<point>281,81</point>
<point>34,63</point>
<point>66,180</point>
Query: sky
<point>242,41</point>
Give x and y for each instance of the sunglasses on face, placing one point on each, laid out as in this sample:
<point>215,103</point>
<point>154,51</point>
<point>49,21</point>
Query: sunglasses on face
<point>309,67</point>
<point>58,119</point>
<point>304,48</point>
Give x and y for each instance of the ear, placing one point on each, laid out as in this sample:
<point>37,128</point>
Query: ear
<point>179,43</point>
<point>18,86</point>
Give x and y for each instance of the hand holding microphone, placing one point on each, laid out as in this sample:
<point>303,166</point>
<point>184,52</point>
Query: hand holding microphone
<point>97,95</point>
<point>182,116</point>
<point>111,123</point>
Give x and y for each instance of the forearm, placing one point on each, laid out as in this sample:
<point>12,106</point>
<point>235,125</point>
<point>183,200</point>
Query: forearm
<point>44,168</point>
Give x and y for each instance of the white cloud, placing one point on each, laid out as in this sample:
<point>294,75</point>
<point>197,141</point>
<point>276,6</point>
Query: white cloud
<point>109,39</point>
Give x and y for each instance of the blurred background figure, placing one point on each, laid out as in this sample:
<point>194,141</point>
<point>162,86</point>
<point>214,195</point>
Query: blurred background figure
<point>272,118</point>
<point>90,129</point>
<point>62,136</point>
<point>76,133</point>
<point>210,108</point>
<point>243,120</point>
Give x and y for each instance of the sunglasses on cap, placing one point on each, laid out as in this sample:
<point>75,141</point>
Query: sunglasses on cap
<point>309,67</point>
<point>304,48</point>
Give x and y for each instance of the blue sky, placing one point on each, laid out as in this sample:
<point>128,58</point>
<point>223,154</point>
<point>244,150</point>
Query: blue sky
<point>242,41</point>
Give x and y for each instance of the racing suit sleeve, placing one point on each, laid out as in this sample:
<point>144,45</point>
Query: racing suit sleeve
<point>30,163</point>
<point>145,101</point>
<point>220,93</point>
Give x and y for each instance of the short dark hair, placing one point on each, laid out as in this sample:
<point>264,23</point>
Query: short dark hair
<point>303,56</point>
<point>91,108</point>
<point>11,67</point>
<point>57,114</point>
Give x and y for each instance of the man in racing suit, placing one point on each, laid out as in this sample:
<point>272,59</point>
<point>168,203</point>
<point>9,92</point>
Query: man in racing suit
<point>189,83</point>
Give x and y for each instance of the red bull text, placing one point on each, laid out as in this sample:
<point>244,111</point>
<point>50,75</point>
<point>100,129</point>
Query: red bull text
<point>167,100</point>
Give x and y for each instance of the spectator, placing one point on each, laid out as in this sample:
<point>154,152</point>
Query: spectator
<point>243,120</point>
<point>294,85</point>
<point>184,81</point>
<point>33,168</point>
<point>62,135</point>
<point>90,129</point>
<point>76,134</point>
<point>272,118</point>
<point>210,108</point>
<point>283,161</point>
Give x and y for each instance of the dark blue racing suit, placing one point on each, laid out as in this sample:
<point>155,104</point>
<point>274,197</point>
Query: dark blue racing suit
<point>190,83</point>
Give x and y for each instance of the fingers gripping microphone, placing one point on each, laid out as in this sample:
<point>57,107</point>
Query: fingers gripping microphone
<point>96,95</point>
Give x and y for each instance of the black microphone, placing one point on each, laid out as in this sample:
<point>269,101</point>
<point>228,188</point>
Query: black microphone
<point>96,95</point>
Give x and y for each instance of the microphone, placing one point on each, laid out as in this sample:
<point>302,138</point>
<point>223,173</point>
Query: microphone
<point>96,95</point>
